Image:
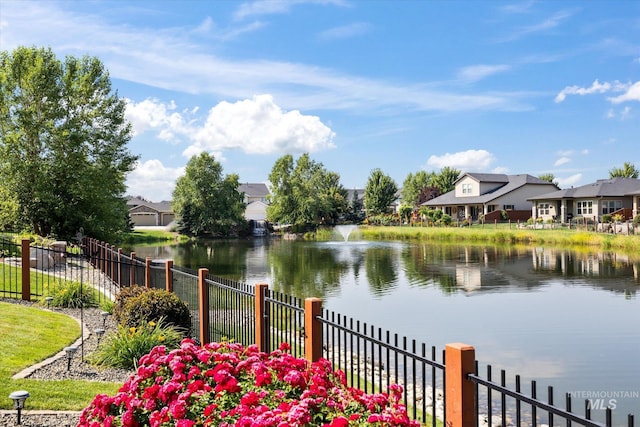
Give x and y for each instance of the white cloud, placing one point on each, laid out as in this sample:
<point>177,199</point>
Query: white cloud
<point>470,160</point>
<point>152,114</point>
<point>474,73</point>
<point>632,94</point>
<point>500,169</point>
<point>153,180</point>
<point>346,31</point>
<point>259,126</point>
<point>569,181</point>
<point>173,59</point>
<point>596,87</point>
<point>548,24</point>
<point>562,161</point>
<point>270,7</point>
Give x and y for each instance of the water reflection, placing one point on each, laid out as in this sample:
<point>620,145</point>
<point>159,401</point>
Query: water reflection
<point>309,269</point>
<point>476,269</point>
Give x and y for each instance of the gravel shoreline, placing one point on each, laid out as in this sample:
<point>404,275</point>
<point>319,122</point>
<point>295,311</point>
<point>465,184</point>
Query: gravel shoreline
<point>55,368</point>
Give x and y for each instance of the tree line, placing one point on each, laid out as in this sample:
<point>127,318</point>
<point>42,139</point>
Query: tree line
<point>64,160</point>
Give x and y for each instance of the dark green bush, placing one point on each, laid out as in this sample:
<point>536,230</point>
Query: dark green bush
<point>154,305</point>
<point>122,297</point>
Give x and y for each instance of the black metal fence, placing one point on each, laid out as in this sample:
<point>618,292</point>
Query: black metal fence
<point>512,406</point>
<point>371,357</point>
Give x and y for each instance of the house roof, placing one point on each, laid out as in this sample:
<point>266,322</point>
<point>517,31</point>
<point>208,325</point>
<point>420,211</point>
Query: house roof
<point>511,183</point>
<point>487,177</point>
<point>613,187</point>
<point>254,189</point>
<point>163,206</point>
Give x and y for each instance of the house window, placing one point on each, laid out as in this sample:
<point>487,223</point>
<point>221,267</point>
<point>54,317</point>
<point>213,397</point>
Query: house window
<point>585,207</point>
<point>610,206</point>
<point>544,209</point>
<point>507,207</point>
<point>466,188</point>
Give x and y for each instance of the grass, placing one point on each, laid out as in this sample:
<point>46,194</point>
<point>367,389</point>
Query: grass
<point>29,335</point>
<point>503,235</point>
<point>152,236</point>
<point>11,279</point>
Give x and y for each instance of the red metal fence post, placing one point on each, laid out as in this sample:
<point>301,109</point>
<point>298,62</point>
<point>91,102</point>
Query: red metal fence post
<point>147,272</point>
<point>132,270</point>
<point>312,329</point>
<point>203,305</point>
<point>26,270</point>
<point>460,391</point>
<point>262,318</point>
<point>168,269</point>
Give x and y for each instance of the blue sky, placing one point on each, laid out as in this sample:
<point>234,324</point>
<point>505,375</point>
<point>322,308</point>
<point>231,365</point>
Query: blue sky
<point>483,86</point>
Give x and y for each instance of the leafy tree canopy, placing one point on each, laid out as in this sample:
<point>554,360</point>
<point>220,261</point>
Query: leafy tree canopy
<point>549,177</point>
<point>304,193</point>
<point>206,202</point>
<point>445,179</point>
<point>419,188</point>
<point>63,146</point>
<point>379,193</point>
<point>628,170</point>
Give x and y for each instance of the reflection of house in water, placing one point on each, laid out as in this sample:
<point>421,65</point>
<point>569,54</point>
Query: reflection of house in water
<point>475,270</point>
<point>600,264</point>
<point>469,278</point>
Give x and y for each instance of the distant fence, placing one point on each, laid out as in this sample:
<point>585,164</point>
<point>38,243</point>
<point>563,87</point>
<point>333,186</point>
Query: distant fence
<point>440,387</point>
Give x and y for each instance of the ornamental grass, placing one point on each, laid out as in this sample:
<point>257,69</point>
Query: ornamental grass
<point>226,384</point>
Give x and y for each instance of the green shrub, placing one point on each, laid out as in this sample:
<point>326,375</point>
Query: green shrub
<point>125,347</point>
<point>636,220</point>
<point>606,218</point>
<point>107,305</point>
<point>70,295</point>
<point>123,297</point>
<point>155,304</point>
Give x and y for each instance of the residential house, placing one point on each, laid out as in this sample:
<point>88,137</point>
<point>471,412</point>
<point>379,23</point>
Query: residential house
<point>143,212</point>
<point>478,194</point>
<point>256,199</point>
<point>591,201</point>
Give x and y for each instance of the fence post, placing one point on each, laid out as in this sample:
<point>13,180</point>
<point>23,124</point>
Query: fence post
<point>26,270</point>
<point>132,269</point>
<point>262,318</point>
<point>147,272</point>
<point>168,269</point>
<point>119,264</point>
<point>312,329</point>
<point>460,391</point>
<point>203,305</point>
<point>102,256</point>
<point>107,260</point>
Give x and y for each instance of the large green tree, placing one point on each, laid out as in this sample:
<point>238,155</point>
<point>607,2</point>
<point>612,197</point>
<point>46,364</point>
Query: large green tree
<point>628,170</point>
<point>205,201</point>
<point>304,193</point>
<point>413,185</point>
<point>380,191</point>
<point>445,179</point>
<point>63,145</point>
<point>549,177</point>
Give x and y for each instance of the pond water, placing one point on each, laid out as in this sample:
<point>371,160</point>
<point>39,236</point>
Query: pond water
<point>563,318</point>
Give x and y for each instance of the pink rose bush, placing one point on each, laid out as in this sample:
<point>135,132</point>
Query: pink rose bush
<point>226,384</point>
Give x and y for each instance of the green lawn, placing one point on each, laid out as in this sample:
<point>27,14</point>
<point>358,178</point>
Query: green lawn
<point>29,335</point>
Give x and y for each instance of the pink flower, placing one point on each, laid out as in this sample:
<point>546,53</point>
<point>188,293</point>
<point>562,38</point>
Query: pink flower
<point>226,384</point>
